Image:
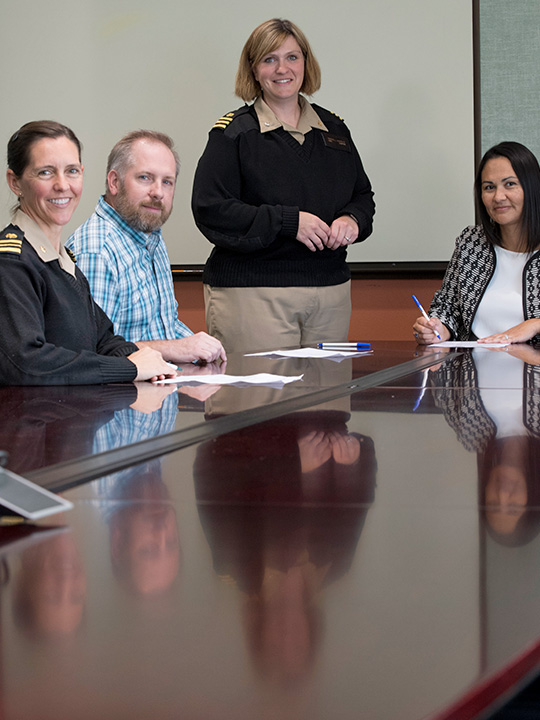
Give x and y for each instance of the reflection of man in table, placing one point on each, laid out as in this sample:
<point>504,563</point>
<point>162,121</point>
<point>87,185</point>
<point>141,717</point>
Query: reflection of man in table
<point>283,504</point>
<point>492,399</point>
<point>144,540</point>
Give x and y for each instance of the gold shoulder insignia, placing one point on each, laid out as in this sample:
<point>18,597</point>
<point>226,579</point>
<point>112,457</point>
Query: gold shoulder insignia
<point>71,255</point>
<point>12,246</point>
<point>11,241</point>
<point>338,116</point>
<point>224,121</point>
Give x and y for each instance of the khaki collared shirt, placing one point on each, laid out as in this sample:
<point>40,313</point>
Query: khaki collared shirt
<point>308,119</point>
<point>41,243</point>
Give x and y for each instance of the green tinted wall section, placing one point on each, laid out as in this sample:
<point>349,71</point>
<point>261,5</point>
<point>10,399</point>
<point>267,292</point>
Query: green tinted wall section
<point>510,72</point>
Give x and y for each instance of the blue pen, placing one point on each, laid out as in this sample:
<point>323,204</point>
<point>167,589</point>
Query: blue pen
<point>424,313</point>
<point>345,346</point>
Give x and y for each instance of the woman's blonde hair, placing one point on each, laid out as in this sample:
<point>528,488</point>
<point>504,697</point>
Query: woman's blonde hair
<point>266,38</point>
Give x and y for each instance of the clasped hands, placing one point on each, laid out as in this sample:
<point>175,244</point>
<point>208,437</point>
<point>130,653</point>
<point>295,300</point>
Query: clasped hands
<point>318,446</point>
<point>315,234</point>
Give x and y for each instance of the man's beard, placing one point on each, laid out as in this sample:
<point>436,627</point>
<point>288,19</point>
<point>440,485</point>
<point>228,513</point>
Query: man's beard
<point>136,216</point>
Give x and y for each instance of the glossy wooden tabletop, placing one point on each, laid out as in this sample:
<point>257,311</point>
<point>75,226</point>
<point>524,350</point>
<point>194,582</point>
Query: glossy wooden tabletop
<point>368,554</point>
<point>44,427</point>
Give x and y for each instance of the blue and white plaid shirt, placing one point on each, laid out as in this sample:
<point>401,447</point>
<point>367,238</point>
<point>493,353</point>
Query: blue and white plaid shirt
<point>130,276</point>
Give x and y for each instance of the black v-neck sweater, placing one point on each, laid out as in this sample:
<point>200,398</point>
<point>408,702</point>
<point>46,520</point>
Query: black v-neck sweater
<point>250,187</point>
<point>51,330</point>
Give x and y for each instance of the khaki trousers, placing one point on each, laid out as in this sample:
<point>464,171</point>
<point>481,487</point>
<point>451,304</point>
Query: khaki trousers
<point>253,319</point>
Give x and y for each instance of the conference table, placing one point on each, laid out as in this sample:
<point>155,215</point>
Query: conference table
<point>360,543</point>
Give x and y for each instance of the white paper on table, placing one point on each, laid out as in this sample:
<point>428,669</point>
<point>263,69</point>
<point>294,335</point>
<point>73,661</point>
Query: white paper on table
<point>216,379</point>
<point>467,343</point>
<point>311,353</point>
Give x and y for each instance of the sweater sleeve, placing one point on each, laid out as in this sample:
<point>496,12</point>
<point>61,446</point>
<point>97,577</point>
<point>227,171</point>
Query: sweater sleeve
<point>27,358</point>
<point>446,302</point>
<point>361,205</point>
<point>219,211</point>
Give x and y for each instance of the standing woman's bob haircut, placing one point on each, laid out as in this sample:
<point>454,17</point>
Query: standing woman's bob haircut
<point>527,170</point>
<point>265,39</point>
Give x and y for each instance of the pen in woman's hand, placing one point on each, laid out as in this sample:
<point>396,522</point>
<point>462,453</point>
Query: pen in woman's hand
<point>424,313</point>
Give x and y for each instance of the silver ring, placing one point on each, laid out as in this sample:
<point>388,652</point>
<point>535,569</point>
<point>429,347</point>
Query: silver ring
<point>506,336</point>
<point>347,239</point>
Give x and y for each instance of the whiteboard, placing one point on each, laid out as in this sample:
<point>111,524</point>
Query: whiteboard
<point>400,73</point>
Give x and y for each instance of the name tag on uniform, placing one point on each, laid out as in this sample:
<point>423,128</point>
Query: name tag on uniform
<point>336,142</point>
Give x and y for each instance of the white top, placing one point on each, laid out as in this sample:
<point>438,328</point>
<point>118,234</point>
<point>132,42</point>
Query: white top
<point>501,306</point>
<point>500,379</point>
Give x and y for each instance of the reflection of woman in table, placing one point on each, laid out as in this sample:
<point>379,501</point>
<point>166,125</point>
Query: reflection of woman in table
<point>492,401</point>
<point>283,504</point>
<point>50,588</point>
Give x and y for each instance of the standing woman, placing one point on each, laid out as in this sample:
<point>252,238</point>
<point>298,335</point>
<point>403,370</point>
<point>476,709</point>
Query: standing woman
<point>280,191</point>
<point>51,331</point>
<point>491,289</point>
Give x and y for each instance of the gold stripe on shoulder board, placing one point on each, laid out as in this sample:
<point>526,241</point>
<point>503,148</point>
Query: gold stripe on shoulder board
<point>10,246</point>
<point>224,121</point>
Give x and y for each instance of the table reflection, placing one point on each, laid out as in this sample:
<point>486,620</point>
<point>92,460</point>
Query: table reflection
<point>282,505</point>
<point>43,426</point>
<point>143,530</point>
<point>491,400</point>
<point>49,595</point>
<point>317,374</point>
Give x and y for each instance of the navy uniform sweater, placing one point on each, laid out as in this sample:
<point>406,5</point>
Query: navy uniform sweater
<point>51,330</point>
<point>250,187</point>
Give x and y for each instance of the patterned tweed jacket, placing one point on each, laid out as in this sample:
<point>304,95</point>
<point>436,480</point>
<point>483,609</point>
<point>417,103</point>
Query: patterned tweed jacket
<point>469,271</point>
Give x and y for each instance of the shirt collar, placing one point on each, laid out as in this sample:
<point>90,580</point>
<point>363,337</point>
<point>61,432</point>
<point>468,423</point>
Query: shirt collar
<point>268,120</point>
<point>103,209</point>
<point>41,243</point>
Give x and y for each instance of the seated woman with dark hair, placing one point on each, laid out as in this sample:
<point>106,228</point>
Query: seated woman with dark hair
<point>51,330</point>
<point>491,289</point>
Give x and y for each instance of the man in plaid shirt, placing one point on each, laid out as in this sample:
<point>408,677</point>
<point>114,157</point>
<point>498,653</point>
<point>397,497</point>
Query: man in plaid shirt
<point>120,249</point>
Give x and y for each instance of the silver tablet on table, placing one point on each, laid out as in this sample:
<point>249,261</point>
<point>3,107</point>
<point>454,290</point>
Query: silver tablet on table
<point>28,499</point>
